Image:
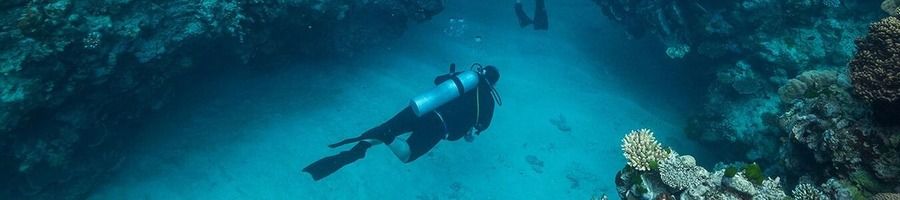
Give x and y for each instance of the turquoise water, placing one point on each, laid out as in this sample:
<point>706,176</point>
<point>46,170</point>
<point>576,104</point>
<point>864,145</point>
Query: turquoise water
<point>246,133</point>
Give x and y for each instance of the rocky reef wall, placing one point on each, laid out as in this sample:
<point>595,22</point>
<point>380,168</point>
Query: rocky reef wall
<point>798,84</point>
<point>73,70</point>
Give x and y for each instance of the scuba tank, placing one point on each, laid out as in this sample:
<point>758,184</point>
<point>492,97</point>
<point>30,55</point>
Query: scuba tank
<point>445,92</point>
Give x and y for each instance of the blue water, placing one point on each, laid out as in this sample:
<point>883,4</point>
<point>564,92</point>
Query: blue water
<point>239,133</point>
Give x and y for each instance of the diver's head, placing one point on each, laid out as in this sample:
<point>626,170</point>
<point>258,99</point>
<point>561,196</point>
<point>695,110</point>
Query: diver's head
<point>491,74</point>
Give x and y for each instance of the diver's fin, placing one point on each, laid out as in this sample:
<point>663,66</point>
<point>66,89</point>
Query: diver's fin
<point>540,16</point>
<point>328,165</point>
<point>524,20</point>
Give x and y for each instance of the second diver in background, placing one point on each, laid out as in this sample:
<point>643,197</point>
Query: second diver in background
<point>540,15</point>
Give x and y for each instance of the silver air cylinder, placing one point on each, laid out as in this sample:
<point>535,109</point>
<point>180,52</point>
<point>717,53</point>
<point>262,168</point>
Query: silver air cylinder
<point>444,92</point>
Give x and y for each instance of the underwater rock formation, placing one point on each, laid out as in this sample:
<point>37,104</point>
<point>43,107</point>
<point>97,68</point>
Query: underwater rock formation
<point>679,177</point>
<point>71,70</point>
<point>765,55</point>
<point>807,191</point>
<point>674,21</point>
<point>782,93</point>
<point>876,68</point>
<point>789,32</point>
<point>826,122</point>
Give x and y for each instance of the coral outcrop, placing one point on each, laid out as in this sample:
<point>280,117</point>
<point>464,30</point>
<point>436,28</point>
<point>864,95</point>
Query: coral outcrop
<point>782,92</point>
<point>682,172</point>
<point>642,150</point>
<point>674,21</point>
<point>72,70</point>
<point>678,177</point>
<point>832,128</point>
<point>876,68</point>
<point>806,191</point>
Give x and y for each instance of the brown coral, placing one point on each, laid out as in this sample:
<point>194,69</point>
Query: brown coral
<point>875,70</point>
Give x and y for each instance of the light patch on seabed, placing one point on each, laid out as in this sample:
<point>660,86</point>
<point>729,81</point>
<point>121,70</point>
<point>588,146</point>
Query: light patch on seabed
<point>248,138</point>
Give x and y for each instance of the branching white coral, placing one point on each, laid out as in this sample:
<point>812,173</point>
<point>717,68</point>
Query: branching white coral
<point>641,149</point>
<point>805,191</point>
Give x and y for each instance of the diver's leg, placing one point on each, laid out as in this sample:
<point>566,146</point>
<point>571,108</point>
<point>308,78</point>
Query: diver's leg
<point>424,137</point>
<point>400,148</point>
<point>328,165</point>
<point>401,123</point>
<point>540,16</point>
<point>524,20</point>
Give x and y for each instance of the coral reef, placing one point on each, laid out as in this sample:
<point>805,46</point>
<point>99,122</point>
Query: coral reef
<point>673,21</point>
<point>680,178</point>
<point>740,184</point>
<point>841,189</point>
<point>774,52</point>
<point>806,191</point>
<point>781,92</point>
<point>789,32</point>
<point>835,129</point>
<point>770,190</point>
<point>71,70</point>
<point>642,150</point>
<point>886,196</point>
<point>682,172</point>
<point>876,68</point>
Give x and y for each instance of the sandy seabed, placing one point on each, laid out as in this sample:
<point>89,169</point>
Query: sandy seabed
<point>246,135</point>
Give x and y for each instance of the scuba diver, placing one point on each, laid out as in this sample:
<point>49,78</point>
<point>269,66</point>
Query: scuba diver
<point>461,104</point>
<point>540,16</point>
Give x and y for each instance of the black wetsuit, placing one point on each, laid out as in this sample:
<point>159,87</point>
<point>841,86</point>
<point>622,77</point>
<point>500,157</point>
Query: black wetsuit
<point>451,121</point>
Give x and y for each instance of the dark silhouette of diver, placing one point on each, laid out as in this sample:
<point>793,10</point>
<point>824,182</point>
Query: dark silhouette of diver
<point>470,112</point>
<point>540,15</point>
